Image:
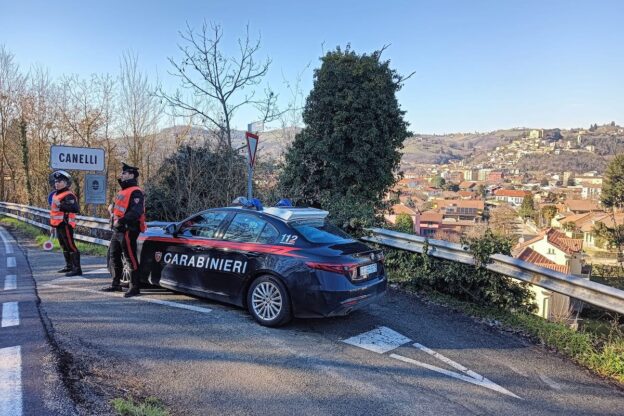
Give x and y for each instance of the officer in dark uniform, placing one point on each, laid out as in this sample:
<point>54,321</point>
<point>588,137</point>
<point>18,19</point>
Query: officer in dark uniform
<point>128,220</point>
<point>63,209</point>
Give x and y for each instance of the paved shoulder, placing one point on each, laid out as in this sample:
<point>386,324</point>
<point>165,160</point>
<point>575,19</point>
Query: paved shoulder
<point>29,384</point>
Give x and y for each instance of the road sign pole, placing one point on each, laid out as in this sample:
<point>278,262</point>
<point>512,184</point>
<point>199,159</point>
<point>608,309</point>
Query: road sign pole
<point>249,182</point>
<point>252,146</point>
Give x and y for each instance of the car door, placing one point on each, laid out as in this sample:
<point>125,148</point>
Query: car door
<point>186,259</point>
<point>244,235</point>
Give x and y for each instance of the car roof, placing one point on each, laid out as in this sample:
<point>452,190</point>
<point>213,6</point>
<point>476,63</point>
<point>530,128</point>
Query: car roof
<point>284,214</point>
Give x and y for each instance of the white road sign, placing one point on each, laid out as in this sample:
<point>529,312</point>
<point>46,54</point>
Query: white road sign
<point>76,158</point>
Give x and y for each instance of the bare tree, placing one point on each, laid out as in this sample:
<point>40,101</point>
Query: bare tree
<point>12,84</point>
<point>139,113</point>
<point>79,105</point>
<point>217,83</point>
<point>218,86</point>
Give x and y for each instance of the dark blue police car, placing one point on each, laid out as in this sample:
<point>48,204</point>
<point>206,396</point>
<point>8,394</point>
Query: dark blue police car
<point>276,262</point>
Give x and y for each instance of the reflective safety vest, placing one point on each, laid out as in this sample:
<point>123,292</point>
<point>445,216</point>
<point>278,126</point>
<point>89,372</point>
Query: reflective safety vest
<point>122,201</point>
<point>56,215</point>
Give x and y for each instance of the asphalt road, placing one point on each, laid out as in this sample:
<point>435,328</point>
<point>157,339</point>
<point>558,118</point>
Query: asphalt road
<point>400,357</point>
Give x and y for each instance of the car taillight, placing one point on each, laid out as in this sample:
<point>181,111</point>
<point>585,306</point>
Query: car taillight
<point>347,269</point>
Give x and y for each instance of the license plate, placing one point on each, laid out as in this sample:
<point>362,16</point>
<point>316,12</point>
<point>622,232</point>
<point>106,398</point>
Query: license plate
<point>368,269</point>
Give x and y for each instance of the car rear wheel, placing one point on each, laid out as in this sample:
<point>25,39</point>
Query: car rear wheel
<point>268,301</point>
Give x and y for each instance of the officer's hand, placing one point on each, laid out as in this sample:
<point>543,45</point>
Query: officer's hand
<point>110,209</point>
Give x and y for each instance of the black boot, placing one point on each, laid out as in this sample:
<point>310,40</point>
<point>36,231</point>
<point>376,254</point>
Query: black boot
<point>76,270</point>
<point>68,266</point>
<point>111,289</point>
<point>135,285</point>
<point>132,292</point>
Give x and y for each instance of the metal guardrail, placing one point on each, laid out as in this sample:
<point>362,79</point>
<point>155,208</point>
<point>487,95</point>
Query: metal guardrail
<point>91,229</point>
<point>604,296</point>
<point>97,230</point>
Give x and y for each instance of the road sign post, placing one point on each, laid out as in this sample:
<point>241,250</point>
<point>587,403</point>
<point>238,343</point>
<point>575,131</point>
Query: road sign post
<point>252,147</point>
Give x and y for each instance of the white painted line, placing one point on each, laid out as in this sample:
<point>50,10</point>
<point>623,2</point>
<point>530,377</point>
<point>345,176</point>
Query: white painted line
<point>11,262</point>
<point>10,314</point>
<point>7,245</point>
<point>449,362</point>
<point>551,383</point>
<point>141,298</point>
<point>483,382</point>
<point>10,282</point>
<point>103,270</point>
<point>378,340</point>
<point>10,381</point>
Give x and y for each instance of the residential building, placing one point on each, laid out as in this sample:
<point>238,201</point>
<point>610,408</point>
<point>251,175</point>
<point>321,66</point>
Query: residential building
<point>510,196</point>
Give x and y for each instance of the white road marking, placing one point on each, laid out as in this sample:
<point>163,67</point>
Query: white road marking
<point>10,314</point>
<point>449,362</point>
<point>10,282</point>
<point>551,383</point>
<point>7,246</point>
<point>483,382</point>
<point>378,340</point>
<point>383,339</point>
<point>11,262</point>
<point>10,381</point>
<point>103,270</point>
<point>141,298</point>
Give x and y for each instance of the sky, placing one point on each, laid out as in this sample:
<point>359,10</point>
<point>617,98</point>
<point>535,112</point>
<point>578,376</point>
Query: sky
<point>479,65</point>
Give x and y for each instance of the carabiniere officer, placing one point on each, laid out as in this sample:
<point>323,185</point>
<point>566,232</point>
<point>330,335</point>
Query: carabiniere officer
<point>128,216</point>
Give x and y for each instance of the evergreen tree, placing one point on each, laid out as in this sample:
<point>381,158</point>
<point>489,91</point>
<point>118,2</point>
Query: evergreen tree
<point>612,197</point>
<point>346,157</point>
<point>527,209</point>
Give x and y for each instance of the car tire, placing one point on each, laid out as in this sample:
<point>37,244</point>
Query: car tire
<point>268,301</point>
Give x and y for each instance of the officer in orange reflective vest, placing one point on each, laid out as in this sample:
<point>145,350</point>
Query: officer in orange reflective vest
<point>128,215</point>
<point>63,210</point>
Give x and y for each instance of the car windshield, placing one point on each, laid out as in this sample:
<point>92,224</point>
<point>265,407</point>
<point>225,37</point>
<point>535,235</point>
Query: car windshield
<point>321,232</point>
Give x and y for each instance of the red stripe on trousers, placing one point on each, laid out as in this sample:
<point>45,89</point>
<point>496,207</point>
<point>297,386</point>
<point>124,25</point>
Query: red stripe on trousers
<point>135,266</point>
<point>70,241</point>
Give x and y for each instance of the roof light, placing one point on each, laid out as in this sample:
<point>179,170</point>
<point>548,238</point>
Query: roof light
<point>294,214</point>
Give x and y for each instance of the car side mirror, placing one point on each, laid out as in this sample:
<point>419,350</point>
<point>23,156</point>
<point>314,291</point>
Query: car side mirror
<point>171,229</point>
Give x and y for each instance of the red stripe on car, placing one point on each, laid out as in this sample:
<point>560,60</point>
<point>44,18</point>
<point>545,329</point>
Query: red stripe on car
<point>261,248</point>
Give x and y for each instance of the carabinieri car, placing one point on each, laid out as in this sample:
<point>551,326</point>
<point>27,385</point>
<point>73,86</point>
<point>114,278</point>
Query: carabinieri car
<point>278,262</point>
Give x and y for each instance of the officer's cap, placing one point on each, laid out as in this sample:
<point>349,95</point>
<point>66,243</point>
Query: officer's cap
<point>131,169</point>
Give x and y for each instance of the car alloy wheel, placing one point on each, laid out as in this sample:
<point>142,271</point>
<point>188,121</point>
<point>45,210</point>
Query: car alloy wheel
<point>268,301</point>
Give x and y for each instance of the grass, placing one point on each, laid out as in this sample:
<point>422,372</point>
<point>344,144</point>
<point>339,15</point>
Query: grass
<point>40,236</point>
<point>602,353</point>
<point>150,407</point>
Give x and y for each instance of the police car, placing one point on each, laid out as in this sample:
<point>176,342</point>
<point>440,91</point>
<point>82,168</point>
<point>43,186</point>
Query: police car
<point>277,262</point>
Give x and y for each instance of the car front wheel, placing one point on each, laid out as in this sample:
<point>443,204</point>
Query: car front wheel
<point>268,302</point>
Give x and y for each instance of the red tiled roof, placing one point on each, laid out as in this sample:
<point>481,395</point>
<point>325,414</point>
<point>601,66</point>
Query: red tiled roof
<point>558,239</point>
<point>514,193</point>
<point>430,216</point>
<point>403,209</point>
<point>563,242</point>
<point>532,256</point>
<point>582,205</point>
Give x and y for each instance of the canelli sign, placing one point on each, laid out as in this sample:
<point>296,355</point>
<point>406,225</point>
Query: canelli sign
<point>76,158</point>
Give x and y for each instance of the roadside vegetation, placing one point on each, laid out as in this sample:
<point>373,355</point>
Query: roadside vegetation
<point>149,407</point>
<point>496,300</point>
<point>40,236</point>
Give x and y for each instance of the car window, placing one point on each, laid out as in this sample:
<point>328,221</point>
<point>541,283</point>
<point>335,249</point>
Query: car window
<point>321,232</point>
<point>203,225</point>
<point>244,227</point>
<point>268,235</point>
